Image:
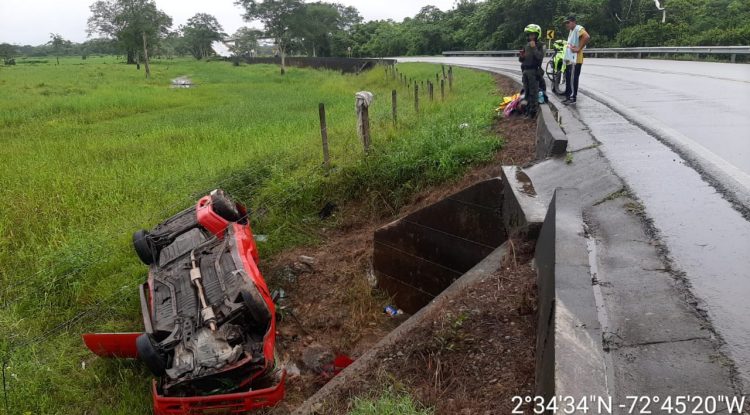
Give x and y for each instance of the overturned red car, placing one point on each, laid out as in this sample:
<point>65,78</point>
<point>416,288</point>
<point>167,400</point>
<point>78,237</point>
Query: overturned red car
<point>209,319</point>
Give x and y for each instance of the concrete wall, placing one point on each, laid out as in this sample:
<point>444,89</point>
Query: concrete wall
<point>550,138</point>
<point>569,358</point>
<point>415,258</point>
<point>346,65</point>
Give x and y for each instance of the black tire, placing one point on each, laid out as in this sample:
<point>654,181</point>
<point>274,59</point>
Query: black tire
<point>144,247</point>
<point>149,353</point>
<point>225,207</point>
<point>550,71</point>
<point>256,305</point>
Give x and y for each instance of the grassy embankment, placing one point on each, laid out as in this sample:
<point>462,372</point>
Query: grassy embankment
<point>92,152</point>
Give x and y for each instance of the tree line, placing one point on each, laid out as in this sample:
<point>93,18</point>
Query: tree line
<point>138,28</point>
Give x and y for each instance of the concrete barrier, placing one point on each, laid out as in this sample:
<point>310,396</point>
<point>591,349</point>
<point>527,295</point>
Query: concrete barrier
<point>569,358</point>
<point>550,138</point>
<point>416,257</point>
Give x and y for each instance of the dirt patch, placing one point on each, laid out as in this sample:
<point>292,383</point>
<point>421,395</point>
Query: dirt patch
<point>472,357</point>
<point>329,306</point>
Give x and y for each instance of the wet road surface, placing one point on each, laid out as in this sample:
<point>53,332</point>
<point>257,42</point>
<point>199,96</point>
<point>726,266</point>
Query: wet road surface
<point>708,238</point>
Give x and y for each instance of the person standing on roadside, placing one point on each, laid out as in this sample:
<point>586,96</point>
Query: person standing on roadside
<point>577,40</point>
<point>531,58</point>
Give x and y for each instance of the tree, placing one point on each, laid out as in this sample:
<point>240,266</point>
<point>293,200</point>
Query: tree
<point>59,45</point>
<point>277,17</point>
<point>8,51</point>
<point>135,24</point>
<point>245,41</point>
<point>200,32</point>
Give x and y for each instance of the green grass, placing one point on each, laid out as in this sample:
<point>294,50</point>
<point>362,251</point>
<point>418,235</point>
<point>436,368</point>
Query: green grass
<point>388,403</point>
<point>92,152</point>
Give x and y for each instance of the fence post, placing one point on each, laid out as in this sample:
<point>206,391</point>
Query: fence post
<point>394,106</point>
<point>5,385</point>
<point>416,98</point>
<point>324,133</point>
<point>733,58</point>
<point>364,99</point>
<point>366,129</point>
<point>443,67</point>
<point>431,88</point>
<point>450,78</point>
<point>442,89</point>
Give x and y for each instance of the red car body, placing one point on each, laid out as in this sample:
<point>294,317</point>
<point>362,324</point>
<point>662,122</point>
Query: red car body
<point>251,378</point>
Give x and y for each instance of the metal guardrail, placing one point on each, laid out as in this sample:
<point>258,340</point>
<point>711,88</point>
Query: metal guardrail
<point>732,51</point>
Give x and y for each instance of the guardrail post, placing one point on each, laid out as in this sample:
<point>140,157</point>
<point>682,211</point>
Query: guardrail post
<point>640,55</point>
<point>733,58</point>
<point>616,55</point>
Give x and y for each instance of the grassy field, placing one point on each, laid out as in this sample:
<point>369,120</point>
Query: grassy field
<point>92,152</point>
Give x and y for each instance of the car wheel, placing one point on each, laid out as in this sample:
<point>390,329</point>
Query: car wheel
<point>255,305</point>
<point>144,247</point>
<point>225,207</point>
<point>149,353</point>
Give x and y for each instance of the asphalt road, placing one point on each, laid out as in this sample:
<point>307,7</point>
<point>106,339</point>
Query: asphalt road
<point>678,133</point>
<point>699,108</point>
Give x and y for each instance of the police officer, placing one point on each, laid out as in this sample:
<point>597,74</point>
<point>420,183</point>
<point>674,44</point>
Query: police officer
<point>531,59</point>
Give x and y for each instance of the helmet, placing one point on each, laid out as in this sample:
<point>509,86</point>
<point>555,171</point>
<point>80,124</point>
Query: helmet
<point>533,28</point>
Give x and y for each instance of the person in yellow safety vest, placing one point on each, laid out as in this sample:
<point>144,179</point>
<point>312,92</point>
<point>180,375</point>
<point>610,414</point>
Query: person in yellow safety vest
<point>577,40</point>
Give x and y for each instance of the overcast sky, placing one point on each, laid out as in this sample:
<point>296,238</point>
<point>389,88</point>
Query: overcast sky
<point>31,21</point>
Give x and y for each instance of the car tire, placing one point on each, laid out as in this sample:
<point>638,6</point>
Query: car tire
<point>144,247</point>
<point>150,355</point>
<point>225,207</point>
<point>255,305</point>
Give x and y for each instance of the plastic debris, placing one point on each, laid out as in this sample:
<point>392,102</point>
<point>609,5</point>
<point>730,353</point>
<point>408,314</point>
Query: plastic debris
<point>292,370</point>
<point>260,238</point>
<point>339,363</point>
<point>392,311</point>
<point>307,260</point>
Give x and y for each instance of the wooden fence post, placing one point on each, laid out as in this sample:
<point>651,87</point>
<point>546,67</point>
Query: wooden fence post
<point>450,78</point>
<point>324,133</point>
<point>416,99</point>
<point>366,128</point>
<point>431,91</point>
<point>394,106</point>
<point>442,89</point>
<point>443,67</point>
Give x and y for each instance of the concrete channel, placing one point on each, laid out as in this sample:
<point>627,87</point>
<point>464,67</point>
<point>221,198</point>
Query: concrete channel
<point>615,319</point>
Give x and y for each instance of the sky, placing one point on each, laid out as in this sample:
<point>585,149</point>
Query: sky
<point>30,22</point>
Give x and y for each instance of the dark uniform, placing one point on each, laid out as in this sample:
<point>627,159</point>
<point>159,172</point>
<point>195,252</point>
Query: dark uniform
<point>531,65</point>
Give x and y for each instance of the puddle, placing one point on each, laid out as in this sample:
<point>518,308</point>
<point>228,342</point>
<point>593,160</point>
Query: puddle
<point>527,187</point>
<point>182,82</point>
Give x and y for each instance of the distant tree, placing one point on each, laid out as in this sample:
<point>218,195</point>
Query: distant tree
<point>278,17</point>
<point>8,51</point>
<point>245,41</point>
<point>59,45</point>
<point>135,24</point>
<point>200,32</point>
